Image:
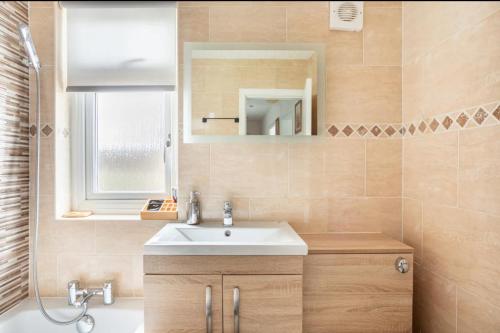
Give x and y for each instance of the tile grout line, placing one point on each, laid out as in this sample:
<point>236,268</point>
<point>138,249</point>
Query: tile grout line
<point>402,126</point>
<point>209,24</point>
<point>456,308</point>
<point>366,170</point>
<point>458,169</point>
<point>402,224</point>
<point>402,163</point>
<point>248,208</point>
<point>286,24</point>
<point>421,231</point>
<point>363,39</point>
<point>324,154</point>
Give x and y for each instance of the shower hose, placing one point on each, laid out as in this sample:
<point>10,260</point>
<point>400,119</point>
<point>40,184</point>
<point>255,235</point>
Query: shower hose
<point>37,222</point>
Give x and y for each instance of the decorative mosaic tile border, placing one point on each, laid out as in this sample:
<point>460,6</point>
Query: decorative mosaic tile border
<point>479,116</point>
<point>356,130</point>
<point>47,130</point>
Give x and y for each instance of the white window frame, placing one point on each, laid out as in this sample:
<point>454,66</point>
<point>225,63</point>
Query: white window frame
<point>84,163</point>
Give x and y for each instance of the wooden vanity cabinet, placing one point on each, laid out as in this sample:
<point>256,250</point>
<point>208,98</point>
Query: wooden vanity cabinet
<point>176,303</point>
<point>268,303</point>
<point>269,293</point>
<point>348,283</point>
<point>352,285</point>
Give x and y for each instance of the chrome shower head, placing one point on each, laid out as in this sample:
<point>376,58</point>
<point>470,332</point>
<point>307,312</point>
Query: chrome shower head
<point>29,46</point>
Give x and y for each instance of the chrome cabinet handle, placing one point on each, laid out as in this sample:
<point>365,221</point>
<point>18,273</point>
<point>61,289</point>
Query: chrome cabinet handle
<point>236,309</point>
<point>402,265</point>
<point>208,308</point>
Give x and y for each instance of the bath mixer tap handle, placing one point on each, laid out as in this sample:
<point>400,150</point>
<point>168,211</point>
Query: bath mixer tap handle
<point>107,293</point>
<point>73,289</point>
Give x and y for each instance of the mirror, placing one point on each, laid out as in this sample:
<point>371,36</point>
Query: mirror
<point>250,91</point>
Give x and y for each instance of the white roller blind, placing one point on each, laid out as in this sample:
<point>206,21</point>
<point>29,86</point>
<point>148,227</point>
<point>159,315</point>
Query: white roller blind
<point>121,47</point>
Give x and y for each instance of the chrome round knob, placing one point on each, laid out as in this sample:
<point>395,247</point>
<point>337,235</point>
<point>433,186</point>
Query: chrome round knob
<point>402,265</point>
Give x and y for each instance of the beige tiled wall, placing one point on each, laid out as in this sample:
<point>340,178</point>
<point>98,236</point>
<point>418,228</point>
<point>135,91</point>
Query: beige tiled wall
<point>334,184</point>
<point>450,206</point>
<point>451,185</point>
<point>86,250</point>
<point>329,185</point>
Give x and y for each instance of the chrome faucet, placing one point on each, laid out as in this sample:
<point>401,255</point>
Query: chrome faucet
<point>78,297</point>
<point>228,214</point>
<point>194,211</point>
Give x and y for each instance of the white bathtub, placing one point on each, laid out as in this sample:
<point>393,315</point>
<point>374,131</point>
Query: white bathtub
<point>124,316</point>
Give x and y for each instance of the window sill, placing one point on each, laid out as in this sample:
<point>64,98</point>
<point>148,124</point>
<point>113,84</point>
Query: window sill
<point>109,218</point>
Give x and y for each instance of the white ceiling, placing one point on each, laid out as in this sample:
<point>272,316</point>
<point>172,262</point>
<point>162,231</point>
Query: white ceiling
<point>259,109</point>
<point>261,106</point>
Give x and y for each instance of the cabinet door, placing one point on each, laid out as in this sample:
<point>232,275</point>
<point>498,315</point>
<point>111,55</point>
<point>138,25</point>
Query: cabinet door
<point>177,303</point>
<point>267,303</point>
<point>357,293</point>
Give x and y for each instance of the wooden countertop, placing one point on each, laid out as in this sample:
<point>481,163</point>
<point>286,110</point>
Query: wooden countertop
<point>325,243</point>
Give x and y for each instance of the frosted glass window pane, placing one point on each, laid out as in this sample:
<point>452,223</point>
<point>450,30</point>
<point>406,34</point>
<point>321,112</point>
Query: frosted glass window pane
<point>130,141</point>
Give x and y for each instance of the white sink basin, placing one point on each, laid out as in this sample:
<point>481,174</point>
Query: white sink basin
<point>212,238</point>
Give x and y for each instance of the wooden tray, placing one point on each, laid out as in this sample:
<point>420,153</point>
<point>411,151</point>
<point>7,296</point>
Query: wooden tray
<point>168,211</point>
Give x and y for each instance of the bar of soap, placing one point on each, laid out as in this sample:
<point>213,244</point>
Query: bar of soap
<point>75,214</point>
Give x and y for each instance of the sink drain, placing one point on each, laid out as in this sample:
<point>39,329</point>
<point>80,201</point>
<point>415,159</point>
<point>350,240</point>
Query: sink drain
<point>227,233</point>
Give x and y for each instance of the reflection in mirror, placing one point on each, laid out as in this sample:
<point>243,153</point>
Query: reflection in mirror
<point>271,116</point>
<point>288,110</point>
<point>249,92</point>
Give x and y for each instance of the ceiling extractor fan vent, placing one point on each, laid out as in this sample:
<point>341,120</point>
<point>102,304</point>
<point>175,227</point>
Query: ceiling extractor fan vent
<point>346,15</point>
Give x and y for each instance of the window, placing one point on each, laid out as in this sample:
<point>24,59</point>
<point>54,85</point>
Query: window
<point>122,149</point>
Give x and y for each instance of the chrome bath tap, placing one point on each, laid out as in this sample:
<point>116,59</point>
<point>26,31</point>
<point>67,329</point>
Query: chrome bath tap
<point>78,297</point>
